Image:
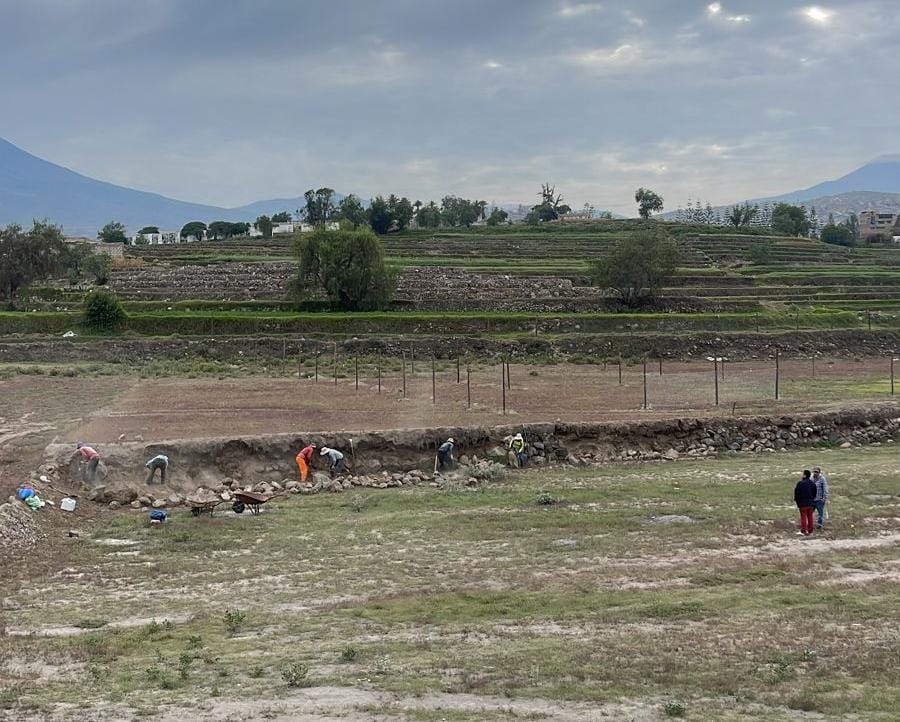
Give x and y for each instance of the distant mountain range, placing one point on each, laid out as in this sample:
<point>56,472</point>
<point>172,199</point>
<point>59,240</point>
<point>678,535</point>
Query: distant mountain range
<point>874,186</point>
<point>34,188</point>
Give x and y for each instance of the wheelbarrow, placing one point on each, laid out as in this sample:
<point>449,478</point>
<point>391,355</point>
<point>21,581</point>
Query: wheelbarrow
<point>203,506</point>
<point>250,500</point>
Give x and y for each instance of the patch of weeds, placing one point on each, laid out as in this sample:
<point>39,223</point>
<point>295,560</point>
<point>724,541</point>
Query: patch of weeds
<point>295,675</point>
<point>98,673</point>
<point>257,671</point>
<point>184,664</point>
<point>234,619</point>
<point>533,373</point>
<point>194,641</point>
<point>208,658</point>
<point>358,502</point>
<point>214,692</point>
<point>348,653</point>
<point>8,699</point>
<point>674,709</point>
<point>91,623</point>
<point>546,499</point>
<point>382,666</point>
<point>158,677</point>
<point>152,628</point>
<point>782,670</point>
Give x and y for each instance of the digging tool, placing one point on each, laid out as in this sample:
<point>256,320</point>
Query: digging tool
<point>435,457</point>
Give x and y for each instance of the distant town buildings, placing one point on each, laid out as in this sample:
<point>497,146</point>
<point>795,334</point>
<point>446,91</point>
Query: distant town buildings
<point>163,238</point>
<point>879,224</point>
<point>287,228</point>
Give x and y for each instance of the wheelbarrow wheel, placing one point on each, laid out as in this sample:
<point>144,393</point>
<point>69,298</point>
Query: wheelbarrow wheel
<point>238,507</point>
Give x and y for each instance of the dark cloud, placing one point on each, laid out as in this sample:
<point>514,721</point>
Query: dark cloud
<point>228,102</point>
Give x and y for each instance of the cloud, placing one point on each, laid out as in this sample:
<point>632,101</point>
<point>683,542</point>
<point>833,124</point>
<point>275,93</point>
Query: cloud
<point>492,65</point>
<point>717,12</point>
<point>817,15</point>
<point>574,10</point>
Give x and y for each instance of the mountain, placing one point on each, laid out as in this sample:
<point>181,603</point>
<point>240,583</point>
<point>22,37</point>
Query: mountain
<point>31,187</point>
<point>874,186</point>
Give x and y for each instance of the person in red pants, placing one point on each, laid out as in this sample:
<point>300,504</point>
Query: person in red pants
<point>805,497</point>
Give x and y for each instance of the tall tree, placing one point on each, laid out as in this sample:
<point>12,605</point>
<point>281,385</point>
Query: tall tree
<point>28,256</point>
<point>380,217</point>
<point>351,210</point>
<point>193,228</point>
<point>319,206</point>
<point>498,217</point>
<point>264,225</point>
<point>112,232</point>
<point>648,202</point>
<point>790,220</point>
<point>282,217</point>
<point>551,206</point>
<point>403,212</point>
<point>637,267</point>
<point>148,229</point>
<point>429,216</point>
<point>348,266</point>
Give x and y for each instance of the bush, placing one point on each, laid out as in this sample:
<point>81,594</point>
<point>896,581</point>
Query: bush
<point>234,619</point>
<point>348,654</point>
<point>104,312</point>
<point>546,499</point>
<point>295,675</point>
<point>674,709</point>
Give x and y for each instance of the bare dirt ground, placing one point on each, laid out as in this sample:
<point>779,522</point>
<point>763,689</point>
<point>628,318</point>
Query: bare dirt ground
<point>170,408</point>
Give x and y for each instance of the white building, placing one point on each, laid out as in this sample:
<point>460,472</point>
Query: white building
<point>288,227</point>
<point>163,238</point>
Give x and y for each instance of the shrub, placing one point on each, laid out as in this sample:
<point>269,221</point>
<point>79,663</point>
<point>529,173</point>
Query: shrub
<point>234,619</point>
<point>103,312</point>
<point>546,499</point>
<point>348,653</point>
<point>295,675</point>
<point>674,709</point>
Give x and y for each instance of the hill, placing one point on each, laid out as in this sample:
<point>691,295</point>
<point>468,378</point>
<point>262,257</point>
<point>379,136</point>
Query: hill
<point>31,187</point>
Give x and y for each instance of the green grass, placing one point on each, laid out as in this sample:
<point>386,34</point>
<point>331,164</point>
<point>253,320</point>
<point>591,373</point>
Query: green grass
<point>471,592</point>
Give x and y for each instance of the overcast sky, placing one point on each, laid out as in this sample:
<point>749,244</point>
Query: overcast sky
<point>230,101</point>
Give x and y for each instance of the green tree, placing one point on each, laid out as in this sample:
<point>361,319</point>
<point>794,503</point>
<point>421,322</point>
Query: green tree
<point>264,225</point>
<point>194,228</point>
<point>347,265</point>
<point>282,217</point>
<point>112,232</point>
<point>498,217</point>
<point>852,223</point>
<point>380,217</point>
<point>648,202</point>
<point>742,215</point>
<point>637,267</point>
<point>789,220</point>
<point>98,266</point>
<point>839,235</point>
<point>103,312</point>
<point>458,212</point>
<point>319,206</point>
<point>429,216</point>
<point>351,210</point>
<point>551,206</point>
<point>29,256</point>
<point>219,230</point>
<point>148,229</point>
<point>403,213</point>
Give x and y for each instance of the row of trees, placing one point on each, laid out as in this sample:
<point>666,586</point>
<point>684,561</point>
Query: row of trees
<point>40,253</point>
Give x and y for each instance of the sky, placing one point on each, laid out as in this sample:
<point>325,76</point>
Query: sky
<point>231,101</point>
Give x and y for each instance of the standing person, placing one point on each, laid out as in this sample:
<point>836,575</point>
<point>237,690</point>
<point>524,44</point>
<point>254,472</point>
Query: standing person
<point>517,446</point>
<point>336,459</point>
<point>445,454</point>
<point>304,460</point>
<point>90,455</point>
<point>821,483</point>
<point>805,498</point>
<point>161,462</point>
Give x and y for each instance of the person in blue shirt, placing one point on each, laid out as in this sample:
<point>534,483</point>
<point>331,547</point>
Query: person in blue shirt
<point>161,462</point>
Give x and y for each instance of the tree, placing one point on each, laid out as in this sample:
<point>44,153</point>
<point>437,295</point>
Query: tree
<point>282,217</point>
<point>112,232</point>
<point>637,267</point>
<point>351,210</point>
<point>839,235</point>
<point>223,229</point>
<point>790,220</point>
<point>98,266</point>
<point>347,265</point>
<point>403,213</point>
<point>742,215</point>
<point>148,229</point>
<point>264,225</point>
<point>380,217</point>
<point>457,211</point>
<point>551,206</point>
<point>30,256</point>
<point>648,202</point>
<point>194,228</point>
<point>429,216</point>
<point>498,217</point>
<point>853,224</point>
<point>319,206</point>
<point>103,312</point>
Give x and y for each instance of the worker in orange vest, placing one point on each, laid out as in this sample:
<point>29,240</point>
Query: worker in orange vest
<point>304,459</point>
